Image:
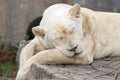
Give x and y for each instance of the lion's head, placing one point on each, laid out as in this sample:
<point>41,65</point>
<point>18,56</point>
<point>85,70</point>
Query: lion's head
<point>61,27</point>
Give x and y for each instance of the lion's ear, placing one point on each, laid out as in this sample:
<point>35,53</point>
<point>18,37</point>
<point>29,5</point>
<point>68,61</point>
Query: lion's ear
<point>75,11</point>
<point>38,31</point>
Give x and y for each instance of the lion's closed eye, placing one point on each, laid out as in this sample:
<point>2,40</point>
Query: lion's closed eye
<point>59,37</point>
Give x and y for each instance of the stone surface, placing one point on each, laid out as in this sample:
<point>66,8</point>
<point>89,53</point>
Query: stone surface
<point>103,69</point>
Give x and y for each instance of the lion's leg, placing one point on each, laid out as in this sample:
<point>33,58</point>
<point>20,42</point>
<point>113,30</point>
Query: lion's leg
<point>52,56</point>
<point>26,53</point>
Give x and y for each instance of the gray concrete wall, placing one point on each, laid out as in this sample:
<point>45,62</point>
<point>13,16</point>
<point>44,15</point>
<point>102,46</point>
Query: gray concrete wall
<point>4,19</point>
<point>16,15</point>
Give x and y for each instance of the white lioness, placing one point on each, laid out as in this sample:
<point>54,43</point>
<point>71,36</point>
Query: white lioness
<point>70,34</point>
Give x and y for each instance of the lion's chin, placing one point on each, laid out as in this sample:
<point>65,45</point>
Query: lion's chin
<point>78,53</point>
<point>71,53</point>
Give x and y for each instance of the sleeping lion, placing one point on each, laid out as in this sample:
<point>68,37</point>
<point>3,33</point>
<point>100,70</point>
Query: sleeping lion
<point>71,35</point>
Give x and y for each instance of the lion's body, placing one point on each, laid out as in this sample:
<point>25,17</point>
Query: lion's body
<point>69,34</point>
<point>106,32</point>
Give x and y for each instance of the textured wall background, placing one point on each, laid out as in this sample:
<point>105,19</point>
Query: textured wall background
<point>16,15</point>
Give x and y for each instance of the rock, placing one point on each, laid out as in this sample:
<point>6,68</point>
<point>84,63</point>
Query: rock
<point>103,69</point>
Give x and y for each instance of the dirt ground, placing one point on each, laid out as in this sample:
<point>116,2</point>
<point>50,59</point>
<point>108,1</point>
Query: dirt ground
<point>8,68</point>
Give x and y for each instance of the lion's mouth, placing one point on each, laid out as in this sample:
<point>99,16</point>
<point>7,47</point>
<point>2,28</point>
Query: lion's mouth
<point>77,53</point>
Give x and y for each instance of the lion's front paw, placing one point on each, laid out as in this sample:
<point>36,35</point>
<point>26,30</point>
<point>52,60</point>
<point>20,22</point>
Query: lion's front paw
<point>84,61</point>
<point>22,73</point>
<point>21,77</point>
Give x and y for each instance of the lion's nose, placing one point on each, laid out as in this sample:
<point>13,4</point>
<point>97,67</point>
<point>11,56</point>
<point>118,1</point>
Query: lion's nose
<point>73,49</point>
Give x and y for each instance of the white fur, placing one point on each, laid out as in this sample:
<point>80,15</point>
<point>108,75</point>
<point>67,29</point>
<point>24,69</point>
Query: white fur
<point>62,28</point>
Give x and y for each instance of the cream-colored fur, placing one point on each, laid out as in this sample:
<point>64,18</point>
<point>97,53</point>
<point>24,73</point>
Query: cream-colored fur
<point>70,34</point>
